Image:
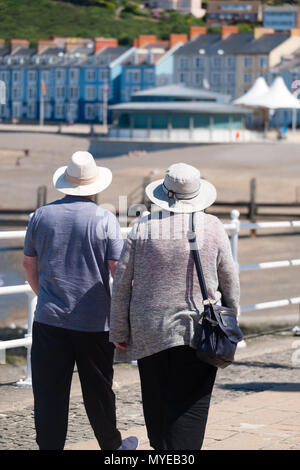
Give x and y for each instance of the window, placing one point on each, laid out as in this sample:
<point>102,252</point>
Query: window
<point>103,92</point>
<point>31,110</point>
<point>247,77</point>
<point>136,76</point>
<point>59,111</point>
<point>60,92</point>
<point>198,79</point>
<point>90,92</point>
<point>149,75</point>
<point>183,63</point>
<point>45,75</point>
<point>230,61</point>
<point>90,75</point>
<point>16,76</point>
<point>31,75</point>
<point>182,77</point>
<point>4,76</point>
<point>89,112</point>
<point>74,92</point>
<point>216,62</point>
<point>199,62</point>
<point>247,61</point>
<point>74,75</point>
<point>263,61</point>
<point>230,78</point>
<point>16,93</point>
<point>216,79</point>
<point>31,92</point>
<point>59,75</point>
<point>104,75</point>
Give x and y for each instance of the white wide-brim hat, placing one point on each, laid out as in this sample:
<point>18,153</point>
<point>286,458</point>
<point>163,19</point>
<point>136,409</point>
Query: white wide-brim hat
<point>82,177</point>
<point>182,190</point>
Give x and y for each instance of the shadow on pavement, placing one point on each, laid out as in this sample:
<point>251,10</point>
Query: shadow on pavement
<point>262,386</point>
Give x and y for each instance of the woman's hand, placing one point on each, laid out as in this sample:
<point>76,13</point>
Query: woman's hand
<point>122,346</point>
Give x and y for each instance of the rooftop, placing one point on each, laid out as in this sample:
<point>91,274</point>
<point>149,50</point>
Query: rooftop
<point>234,43</point>
<point>279,8</point>
<point>183,107</point>
<point>182,93</point>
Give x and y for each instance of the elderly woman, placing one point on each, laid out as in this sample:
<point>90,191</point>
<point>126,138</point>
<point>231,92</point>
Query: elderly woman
<point>157,303</point>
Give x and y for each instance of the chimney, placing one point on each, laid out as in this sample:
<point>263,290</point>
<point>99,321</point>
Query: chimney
<point>74,43</point>
<point>258,32</point>
<point>228,29</point>
<point>176,38</point>
<point>45,43</point>
<point>295,31</point>
<point>197,31</point>
<point>144,39</point>
<point>100,43</point>
<point>15,43</point>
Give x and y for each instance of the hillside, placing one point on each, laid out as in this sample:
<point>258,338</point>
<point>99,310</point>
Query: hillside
<point>38,19</point>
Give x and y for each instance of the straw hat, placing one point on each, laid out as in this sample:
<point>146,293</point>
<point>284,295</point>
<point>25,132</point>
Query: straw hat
<point>182,190</point>
<point>82,177</point>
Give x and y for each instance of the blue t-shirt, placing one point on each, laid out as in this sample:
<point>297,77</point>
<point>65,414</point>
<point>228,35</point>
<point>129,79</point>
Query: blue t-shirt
<point>73,239</point>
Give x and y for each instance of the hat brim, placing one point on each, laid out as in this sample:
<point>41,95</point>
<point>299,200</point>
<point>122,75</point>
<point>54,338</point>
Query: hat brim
<point>203,200</point>
<point>102,182</point>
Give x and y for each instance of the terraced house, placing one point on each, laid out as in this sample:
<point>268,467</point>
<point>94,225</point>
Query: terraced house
<point>150,64</point>
<point>73,81</point>
<point>230,62</point>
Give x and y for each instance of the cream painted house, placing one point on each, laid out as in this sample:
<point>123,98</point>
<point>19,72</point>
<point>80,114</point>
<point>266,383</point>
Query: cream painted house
<point>257,58</point>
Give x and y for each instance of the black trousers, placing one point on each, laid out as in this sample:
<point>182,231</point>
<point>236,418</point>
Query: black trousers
<point>53,356</point>
<point>176,391</point>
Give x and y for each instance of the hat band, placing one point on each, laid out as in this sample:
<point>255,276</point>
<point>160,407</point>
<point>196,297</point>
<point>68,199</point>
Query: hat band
<point>173,194</point>
<point>80,181</point>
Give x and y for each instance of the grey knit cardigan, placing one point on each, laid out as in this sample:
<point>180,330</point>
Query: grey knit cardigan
<point>156,298</point>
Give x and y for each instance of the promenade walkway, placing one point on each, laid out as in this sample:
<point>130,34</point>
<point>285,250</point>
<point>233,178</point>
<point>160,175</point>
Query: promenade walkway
<point>255,405</point>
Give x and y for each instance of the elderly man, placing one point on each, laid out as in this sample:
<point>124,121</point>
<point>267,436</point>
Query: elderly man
<point>71,247</point>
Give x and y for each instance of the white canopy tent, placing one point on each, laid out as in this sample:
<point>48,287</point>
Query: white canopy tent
<point>276,97</point>
<point>258,89</point>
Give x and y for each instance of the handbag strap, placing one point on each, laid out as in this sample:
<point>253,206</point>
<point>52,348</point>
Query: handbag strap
<point>196,256</point>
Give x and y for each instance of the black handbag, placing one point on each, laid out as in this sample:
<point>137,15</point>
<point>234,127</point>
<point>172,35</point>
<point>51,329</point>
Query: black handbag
<point>217,333</point>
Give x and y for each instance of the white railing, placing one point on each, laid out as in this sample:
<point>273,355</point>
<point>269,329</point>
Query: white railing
<point>234,227</point>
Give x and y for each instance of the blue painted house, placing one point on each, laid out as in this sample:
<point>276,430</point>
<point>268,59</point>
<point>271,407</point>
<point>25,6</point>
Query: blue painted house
<point>77,85</point>
<point>149,66</point>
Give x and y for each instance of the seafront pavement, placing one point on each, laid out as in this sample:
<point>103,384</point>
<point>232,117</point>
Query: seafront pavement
<point>255,405</point>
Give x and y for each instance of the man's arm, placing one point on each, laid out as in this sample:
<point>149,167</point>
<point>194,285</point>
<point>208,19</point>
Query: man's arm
<point>30,264</point>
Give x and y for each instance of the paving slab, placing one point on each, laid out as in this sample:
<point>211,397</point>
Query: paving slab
<point>255,404</point>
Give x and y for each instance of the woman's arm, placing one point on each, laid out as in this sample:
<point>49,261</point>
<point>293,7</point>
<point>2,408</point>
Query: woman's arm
<point>228,276</point>
<point>121,296</point>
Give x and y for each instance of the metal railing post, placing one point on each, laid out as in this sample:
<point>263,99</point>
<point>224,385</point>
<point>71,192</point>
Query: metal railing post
<point>234,239</point>
<point>32,299</point>
<point>234,234</point>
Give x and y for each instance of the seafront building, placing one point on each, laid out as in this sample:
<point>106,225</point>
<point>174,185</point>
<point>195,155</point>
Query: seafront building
<point>178,114</point>
<point>79,79</point>
<point>71,83</point>
<point>230,62</point>
<point>150,64</point>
